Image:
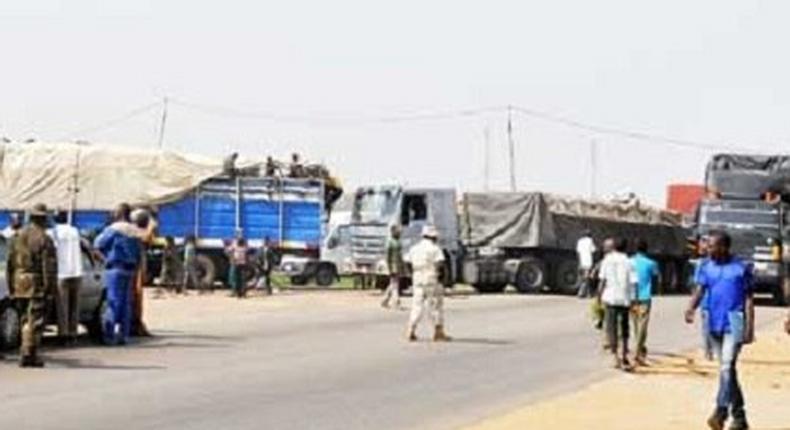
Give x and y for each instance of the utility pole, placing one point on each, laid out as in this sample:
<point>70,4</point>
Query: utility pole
<point>511,148</point>
<point>163,123</point>
<point>487,158</point>
<point>593,168</point>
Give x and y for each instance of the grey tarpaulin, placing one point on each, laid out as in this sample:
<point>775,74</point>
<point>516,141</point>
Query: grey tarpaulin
<point>748,176</point>
<point>529,220</point>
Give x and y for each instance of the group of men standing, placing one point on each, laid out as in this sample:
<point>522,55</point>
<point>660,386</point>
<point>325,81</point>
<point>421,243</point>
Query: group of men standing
<point>724,292</point>
<point>42,263</point>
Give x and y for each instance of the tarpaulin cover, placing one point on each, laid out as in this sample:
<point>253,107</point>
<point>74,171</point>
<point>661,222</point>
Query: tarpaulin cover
<point>748,176</point>
<point>531,220</point>
<point>103,175</point>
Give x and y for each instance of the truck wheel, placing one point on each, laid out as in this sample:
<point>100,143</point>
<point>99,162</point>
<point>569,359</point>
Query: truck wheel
<point>9,326</point>
<point>325,275</point>
<point>206,270</point>
<point>566,276</point>
<point>782,293</point>
<point>489,288</point>
<point>531,276</point>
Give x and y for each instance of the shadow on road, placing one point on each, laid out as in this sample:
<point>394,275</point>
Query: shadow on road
<point>482,341</point>
<point>71,363</point>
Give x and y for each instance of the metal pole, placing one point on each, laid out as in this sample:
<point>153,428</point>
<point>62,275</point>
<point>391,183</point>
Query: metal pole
<point>163,123</point>
<point>238,205</point>
<point>197,212</point>
<point>282,212</point>
<point>74,189</point>
<point>512,148</point>
<point>593,168</point>
<point>487,158</point>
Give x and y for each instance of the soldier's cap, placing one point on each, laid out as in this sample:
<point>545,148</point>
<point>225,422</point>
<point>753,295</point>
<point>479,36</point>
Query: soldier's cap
<point>39,210</point>
<point>430,232</point>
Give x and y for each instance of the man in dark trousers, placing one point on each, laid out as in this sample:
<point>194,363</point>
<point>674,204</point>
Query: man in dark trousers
<point>32,274</point>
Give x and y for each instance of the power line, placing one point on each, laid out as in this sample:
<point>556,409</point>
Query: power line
<point>334,119</point>
<point>626,133</point>
<point>110,123</point>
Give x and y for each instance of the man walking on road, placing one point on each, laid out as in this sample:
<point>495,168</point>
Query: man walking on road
<point>617,292</point>
<point>395,268</point>
<point>69,251</point>
<point>120,244</point>
<point>585,250</point>
<point>647,276</point>
<point>190,267</point>
<point>727,281</point>
<point>32,274</point>
<point>427,261</point>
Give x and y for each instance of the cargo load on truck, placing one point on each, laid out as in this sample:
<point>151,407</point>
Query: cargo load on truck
<point>747,176</point>
<point>529,239</point>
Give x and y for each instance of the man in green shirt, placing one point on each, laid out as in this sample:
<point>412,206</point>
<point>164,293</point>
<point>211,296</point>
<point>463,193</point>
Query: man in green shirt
<point>394,267</point>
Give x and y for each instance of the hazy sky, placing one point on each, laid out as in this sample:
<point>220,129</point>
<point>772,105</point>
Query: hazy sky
<point>273,77</point>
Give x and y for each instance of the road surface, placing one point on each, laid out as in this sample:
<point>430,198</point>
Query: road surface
<point>325,360</point>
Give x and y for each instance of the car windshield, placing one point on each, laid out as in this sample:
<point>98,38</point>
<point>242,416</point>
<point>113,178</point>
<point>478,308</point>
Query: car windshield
<point>374,206</point>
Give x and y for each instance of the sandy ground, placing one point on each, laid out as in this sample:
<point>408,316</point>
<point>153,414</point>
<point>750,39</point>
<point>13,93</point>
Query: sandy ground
<point>675,392</point>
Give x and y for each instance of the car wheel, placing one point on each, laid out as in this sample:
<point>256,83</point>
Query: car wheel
<point>566,276</point>
<point>206,270</point>
<point>325,275</point>
<point>9,326</point>
<point>95,327</point>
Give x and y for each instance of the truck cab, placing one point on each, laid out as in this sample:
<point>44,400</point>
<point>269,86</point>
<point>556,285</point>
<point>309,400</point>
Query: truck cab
<point>760,236</point>
<point>377,209</point>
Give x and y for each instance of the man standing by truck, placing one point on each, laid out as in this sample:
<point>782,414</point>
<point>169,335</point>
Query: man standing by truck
<point>585,250</point>
<point>726,281</point>
<point>69,250</point>
<point>395,267</point>
<point>32,274</point>
<point>427,261</point>
<point>617,292</point>
<point>647,276</point>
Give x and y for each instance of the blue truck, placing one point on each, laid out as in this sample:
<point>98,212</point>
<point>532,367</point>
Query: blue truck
<point>290,213</point>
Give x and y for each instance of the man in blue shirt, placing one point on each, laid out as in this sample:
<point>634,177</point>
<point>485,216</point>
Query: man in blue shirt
<point>120,244</point>
<point>726,283</point>
<point>647,276</point>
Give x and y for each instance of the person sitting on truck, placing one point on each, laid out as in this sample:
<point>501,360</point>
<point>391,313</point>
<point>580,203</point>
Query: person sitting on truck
<point>238,254</point>
<point>191,278</point>
<point>647,277</point>
<point>296,169</point>
<point>229,165</point>
<point>585,250</point>
<point>617,292</point>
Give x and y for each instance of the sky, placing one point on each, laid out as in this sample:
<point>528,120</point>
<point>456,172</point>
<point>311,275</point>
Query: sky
<point>405,92</point>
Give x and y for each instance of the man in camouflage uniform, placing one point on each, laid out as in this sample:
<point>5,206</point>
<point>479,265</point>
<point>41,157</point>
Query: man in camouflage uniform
<point>32,274</point>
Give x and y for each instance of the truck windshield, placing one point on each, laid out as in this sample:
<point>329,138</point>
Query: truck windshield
<point>757,217</point>
<point>374,206</point>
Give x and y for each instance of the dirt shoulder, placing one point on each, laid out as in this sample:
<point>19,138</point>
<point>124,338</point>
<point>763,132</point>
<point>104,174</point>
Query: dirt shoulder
<point>675,392</point>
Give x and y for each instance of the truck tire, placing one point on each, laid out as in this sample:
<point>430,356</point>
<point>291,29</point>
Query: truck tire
<point>489,288</point>
<point>9,326</point>
<point>566,276</point>
<point>782,293</point>
<point>207,270</point>
<point>531,276</point>
<point>325,275</point>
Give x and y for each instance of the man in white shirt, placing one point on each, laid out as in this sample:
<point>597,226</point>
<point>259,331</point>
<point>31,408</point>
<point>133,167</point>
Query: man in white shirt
<point>585,249</point>
<point>427,261</point>
<point>69,250</point>
<point>617,292</point>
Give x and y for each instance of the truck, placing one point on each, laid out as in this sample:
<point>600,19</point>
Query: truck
<point>492,240</point>
<point>747,196</point>
<point>189,195</point>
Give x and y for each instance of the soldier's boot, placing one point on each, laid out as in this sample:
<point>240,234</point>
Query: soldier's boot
<point>439,335</point>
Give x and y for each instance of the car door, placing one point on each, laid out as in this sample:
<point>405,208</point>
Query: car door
<point>92,287</point>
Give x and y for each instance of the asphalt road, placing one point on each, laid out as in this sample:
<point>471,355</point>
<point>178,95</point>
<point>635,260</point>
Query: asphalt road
<point>322,361</point>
